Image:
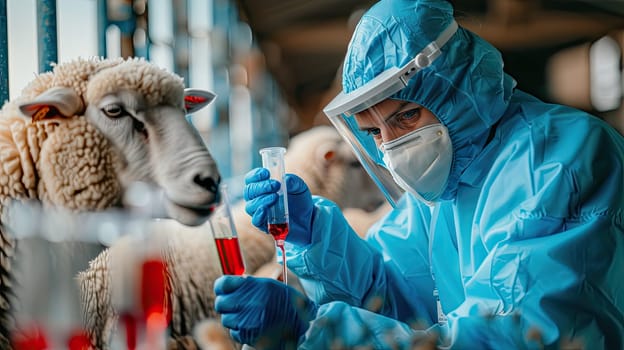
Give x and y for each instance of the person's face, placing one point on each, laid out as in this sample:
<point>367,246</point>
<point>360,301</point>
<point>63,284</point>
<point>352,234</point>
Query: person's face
<point>391,119</point>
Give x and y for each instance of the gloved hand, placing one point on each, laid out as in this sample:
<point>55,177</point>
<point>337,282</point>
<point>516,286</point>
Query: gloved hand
<point>261,193</point>
<point>262,312</point>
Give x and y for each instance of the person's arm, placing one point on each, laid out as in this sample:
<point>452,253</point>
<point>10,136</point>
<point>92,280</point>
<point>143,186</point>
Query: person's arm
<point>330,259</point>
<point>340,325</point>
<point>551,281</point>
<point>337,264</point>
<point>550,264</point>
<point>268,314</point>
<point>556,288</point>
<point>373,274</point>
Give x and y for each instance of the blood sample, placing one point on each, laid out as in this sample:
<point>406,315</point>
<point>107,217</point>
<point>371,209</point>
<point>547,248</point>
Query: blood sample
<point>279,232</point>
<point>230,256</point>
<point>273,160</point>
<point>155,301</point>
<point>225,236</point>
<point>155,296</point>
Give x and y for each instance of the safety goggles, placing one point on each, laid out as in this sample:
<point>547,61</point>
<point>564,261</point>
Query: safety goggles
<point>342,111</point>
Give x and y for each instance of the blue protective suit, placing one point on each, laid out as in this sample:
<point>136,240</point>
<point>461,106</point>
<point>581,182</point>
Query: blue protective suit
<point>530,229</point>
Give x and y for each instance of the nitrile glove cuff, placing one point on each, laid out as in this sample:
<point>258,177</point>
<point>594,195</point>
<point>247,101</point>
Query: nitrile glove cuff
<point>302,236</point>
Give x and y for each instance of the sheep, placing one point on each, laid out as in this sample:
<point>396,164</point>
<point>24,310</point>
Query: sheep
<point>139,109</point>
<point>79,135</point>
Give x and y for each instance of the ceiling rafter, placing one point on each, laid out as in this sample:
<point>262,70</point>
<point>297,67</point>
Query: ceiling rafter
<point>305,41</point>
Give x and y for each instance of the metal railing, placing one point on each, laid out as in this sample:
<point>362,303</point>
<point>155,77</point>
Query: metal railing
<point>4,53</point>
<point>47,41</point>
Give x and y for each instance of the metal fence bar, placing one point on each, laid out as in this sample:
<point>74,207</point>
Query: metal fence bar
<point>46,34</point>
<point>102,24</point>
<point>181,38</point>
<point>4,53</point>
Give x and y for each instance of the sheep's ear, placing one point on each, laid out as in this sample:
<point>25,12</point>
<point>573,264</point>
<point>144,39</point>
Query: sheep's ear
<point>196,99</point>
<point>55,102</point>
<point>326,154</point>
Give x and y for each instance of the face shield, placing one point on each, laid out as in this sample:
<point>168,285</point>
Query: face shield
<point>367,105</point>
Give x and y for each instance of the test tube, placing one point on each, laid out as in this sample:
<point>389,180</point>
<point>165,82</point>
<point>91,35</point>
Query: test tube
<point>273,159</point>
<point>225,236</point>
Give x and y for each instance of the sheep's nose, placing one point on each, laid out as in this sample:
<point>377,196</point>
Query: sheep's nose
<point>207,182</point>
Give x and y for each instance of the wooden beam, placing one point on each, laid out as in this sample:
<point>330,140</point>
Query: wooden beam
<point>507,12</point>
<point>542,29</point>
<point>537,30</point>
<point>327,36</point>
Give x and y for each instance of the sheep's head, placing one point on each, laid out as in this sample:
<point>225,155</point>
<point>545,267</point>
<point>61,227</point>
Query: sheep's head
<point>329,166</point>
<point>140,109</point>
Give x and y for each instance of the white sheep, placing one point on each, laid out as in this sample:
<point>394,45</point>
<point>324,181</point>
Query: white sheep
<point>139,109</point>
<point>90,128</point>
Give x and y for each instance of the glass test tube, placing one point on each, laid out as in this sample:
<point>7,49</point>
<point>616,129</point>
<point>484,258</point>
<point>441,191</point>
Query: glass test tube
<point>140,290</point>
<point>273,159</point>
<point>225,236</point>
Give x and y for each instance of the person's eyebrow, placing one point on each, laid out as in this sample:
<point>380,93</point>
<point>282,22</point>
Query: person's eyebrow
<point>397,111</point>
<point>365,128</point>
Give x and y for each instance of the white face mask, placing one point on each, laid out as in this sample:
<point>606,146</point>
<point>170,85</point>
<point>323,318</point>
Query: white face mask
<point>420,161</point>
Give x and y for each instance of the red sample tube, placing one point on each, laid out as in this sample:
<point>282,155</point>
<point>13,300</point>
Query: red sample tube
<point>230,256</point>
<point>225,237</point>
<point>155,291</point>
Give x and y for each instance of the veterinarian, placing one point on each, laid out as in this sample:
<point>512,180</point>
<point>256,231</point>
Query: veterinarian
<point>510,230</point>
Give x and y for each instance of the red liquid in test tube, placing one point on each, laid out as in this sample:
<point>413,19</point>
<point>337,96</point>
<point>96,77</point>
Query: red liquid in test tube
<point>278,231</point>
<point>225,236</point>
<point>155,296</point>
<point>230,256</point>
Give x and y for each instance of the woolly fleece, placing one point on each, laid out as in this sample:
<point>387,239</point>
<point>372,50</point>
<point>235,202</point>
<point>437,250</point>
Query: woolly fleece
<point>64,161</point>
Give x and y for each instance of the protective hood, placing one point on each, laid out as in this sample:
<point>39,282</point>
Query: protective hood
<point>465,87</point>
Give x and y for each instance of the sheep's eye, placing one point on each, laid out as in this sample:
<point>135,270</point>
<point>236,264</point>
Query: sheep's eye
<point>114,111</point>
<point>355,164</point>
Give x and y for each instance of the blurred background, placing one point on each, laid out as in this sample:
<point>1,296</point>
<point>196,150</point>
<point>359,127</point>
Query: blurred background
<point>274,64</point>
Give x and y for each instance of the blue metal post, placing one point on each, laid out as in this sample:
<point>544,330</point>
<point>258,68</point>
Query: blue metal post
<point>4,53</point>
<point>181,38</point>
<point>102,25</point>
<point>46,34</point>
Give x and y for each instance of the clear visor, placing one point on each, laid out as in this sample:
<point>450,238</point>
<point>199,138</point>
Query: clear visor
<point>347,109</point>
<point>369,155</point>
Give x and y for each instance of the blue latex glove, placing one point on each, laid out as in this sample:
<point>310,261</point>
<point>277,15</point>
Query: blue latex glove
<point>261,193</point>
<point>262,312</point>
